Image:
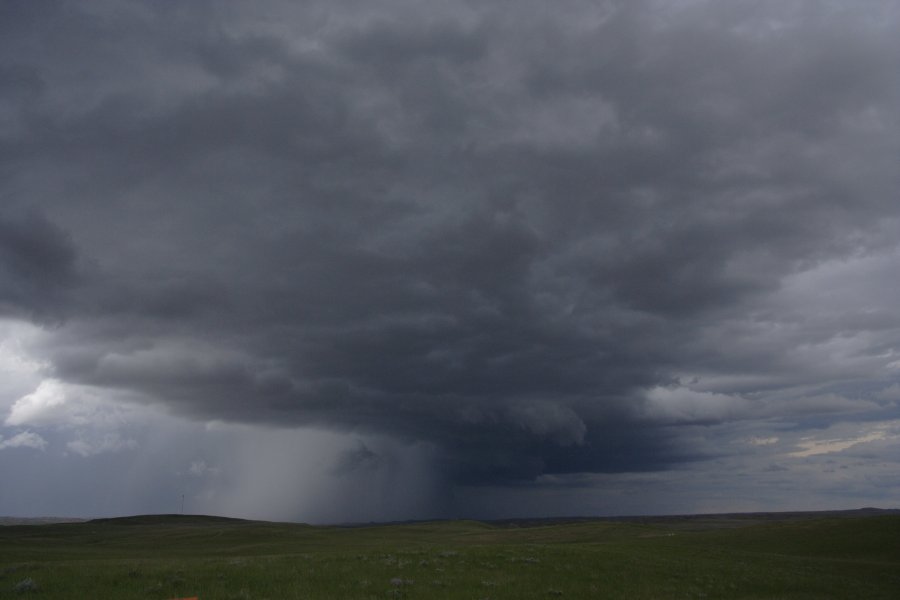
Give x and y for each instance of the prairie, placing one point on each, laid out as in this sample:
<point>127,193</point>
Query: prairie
<point>173,556</point>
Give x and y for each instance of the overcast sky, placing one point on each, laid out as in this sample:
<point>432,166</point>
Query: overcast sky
<point>341,261</point>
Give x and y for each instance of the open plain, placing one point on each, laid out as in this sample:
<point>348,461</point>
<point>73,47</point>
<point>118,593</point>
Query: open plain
<point>801,555</point>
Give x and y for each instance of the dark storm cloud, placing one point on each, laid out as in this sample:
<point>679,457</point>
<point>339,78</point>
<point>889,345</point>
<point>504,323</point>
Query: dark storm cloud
<point>491,229</point>
<point>37,264</point>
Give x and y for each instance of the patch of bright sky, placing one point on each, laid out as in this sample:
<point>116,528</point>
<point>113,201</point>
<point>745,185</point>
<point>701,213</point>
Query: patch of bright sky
<point>810,446</point>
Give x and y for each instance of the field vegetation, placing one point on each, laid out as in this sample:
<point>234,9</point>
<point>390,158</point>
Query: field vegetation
<point>161,557</point>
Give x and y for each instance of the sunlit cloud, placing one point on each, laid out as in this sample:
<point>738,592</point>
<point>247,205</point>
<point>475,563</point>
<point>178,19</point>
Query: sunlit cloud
<point>25,439</point>
<point>813,447</point>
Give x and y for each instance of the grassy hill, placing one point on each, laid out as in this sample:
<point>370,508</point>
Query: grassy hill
<point>723,556</point>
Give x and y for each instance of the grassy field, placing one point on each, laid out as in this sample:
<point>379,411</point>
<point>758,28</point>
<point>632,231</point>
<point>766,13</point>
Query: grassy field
<point>211,558</point>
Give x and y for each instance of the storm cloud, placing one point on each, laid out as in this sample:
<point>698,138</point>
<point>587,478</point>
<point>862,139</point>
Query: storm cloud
<point>548,244</point>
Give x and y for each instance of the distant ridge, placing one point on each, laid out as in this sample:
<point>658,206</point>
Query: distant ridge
<point>720,518</point>
<point>739,516</point>
<point>38,520</point>
<point>173,519</point>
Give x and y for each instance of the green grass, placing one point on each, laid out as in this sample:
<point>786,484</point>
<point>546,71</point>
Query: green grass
<point>174,556</point>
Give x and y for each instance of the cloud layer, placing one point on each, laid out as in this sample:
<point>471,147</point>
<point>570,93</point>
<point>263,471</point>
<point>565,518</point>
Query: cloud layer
<point>540,243</point>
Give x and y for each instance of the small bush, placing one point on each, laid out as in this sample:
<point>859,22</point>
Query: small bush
<point>26,585</point>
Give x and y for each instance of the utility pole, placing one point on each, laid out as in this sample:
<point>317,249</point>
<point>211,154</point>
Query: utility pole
<point>182,504</point>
